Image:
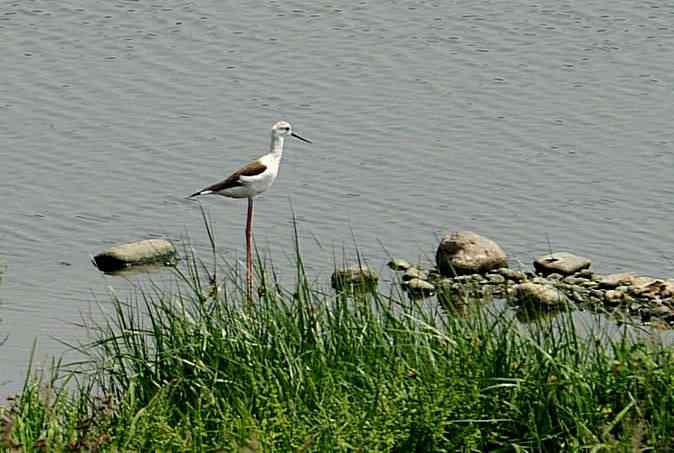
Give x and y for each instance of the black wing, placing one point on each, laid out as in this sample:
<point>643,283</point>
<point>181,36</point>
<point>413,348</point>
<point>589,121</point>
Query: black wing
<point>251,169</point>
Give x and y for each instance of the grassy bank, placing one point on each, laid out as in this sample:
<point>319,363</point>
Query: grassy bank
<point>303,369</point>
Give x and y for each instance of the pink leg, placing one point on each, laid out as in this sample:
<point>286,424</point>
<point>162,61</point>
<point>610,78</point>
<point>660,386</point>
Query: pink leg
<point>249,252</point>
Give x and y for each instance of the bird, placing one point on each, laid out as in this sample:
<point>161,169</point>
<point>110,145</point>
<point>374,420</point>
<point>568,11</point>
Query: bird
<point>250,181</point>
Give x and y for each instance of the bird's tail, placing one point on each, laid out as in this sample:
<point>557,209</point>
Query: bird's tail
<point>201,192</point>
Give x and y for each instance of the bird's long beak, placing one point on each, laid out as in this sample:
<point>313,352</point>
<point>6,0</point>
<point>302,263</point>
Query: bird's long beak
<point>300,137</point>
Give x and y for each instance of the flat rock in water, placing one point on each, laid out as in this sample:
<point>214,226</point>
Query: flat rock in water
<point>134,253</point>
<point>563,263</point>
<point>532,294</point>
<point>419,286</point>
<point>399,264</point>
<point>354,275</point>
<point>414,272</point>
<point>466,252</point>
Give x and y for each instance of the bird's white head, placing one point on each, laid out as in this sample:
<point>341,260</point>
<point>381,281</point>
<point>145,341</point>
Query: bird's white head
<point>283,129</point>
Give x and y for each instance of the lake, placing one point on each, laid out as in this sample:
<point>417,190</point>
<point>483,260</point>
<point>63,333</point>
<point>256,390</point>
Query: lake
<point>541,125</point>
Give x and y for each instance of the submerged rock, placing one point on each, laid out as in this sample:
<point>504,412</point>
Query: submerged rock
<point>419,287</point>
<point>398,264</point>
<point>563,263</point>
<point>534,294</point>
<point>414,272</point>
<point>149,251</point>
<point>466,252</point>
<point>353,276</point>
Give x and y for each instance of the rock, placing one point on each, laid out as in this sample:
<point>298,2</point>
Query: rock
<point>648,287</point>
<point>613,295</point>
<point>662,312</point>
<point>516,276</point>
<point>533,294</point>
<point>134,253</point>
<point>419,287</point>
<point>466,252</point>
<point>433,275</point>
<point>353,276</point>
<point>398,264</point>
<point>612,281</point>
<point>574,280</point>
<point>496,279</point>
<point>589,284</point>
<point>414,272</point>
<point>562,263</point>
<point>585,274</point>
<point>597,293</point>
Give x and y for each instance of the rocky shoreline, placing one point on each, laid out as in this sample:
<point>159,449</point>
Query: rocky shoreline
<point>469,266</point>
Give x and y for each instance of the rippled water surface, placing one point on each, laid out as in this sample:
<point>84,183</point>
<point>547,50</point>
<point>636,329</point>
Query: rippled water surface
<point>538,124</point>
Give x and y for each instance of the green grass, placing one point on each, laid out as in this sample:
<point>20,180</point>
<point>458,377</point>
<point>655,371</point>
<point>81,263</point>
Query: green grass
<point>195,368</point>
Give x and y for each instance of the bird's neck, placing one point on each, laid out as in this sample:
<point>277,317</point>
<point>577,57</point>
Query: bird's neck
<point>276,145</point>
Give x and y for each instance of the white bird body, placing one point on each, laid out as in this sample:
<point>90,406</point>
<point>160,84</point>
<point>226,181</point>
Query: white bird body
<point>253,185</point>
<point>257,176</point>
<point>251,180</point>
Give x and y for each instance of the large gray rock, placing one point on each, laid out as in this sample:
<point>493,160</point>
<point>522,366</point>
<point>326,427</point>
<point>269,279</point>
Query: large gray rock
<point>563,263</point>
<point>466,252</point>
<point>149,251</point>
<point>534,294</point>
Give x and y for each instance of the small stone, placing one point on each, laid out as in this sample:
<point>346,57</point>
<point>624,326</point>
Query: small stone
<point>589,284</point>
<point>612,281</point>
<point>562,263</point>
<point>585,274</point>
<point>516,276</point>
<point>414,272</point>
<point>536,294</point>
<point>555,276</point>
<point>663,312</point>
<point>496,279</point>
<point>540,281</point>
<point>351,276</point>
<point>647,287</point>
<point>398,264</point>
<point>613,295</point>
<point>597,293</point>
<point>444,284</point>
<point>419,287</point>
<point>466,252</point>
<point>575,280</point>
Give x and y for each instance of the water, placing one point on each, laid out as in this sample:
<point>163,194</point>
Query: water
<point>538,124</point>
